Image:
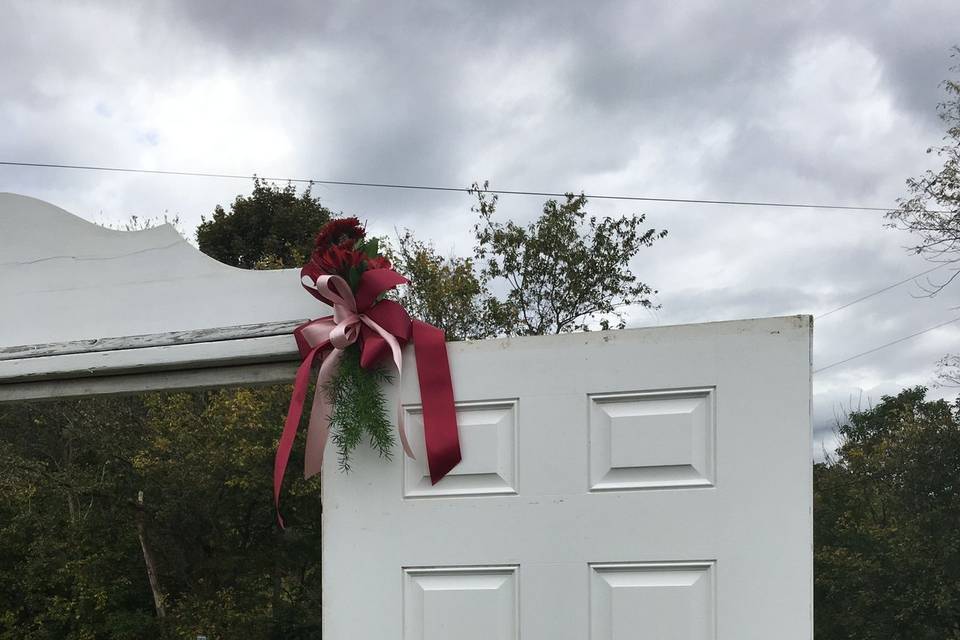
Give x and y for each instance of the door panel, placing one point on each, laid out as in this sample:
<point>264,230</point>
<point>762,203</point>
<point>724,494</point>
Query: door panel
<point>653,600</point>
<point>466,603</point>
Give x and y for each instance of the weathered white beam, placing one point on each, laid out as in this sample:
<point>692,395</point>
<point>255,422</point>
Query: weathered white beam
<point>150,359</point>
<point>247,375</point>
<point>170,338</point>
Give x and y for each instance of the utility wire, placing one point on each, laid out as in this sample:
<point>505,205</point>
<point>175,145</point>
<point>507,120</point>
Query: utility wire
<point>879,291</point>
<point>884,346</point>
<point>387,185</point>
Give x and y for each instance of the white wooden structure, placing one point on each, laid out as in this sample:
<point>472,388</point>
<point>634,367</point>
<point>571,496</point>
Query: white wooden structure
<point>651,483</point>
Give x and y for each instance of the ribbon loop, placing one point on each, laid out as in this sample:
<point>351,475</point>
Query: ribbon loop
<point>346,332</point>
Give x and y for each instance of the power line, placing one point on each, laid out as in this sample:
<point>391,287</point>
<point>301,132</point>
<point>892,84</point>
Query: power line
<point>387,185</point>
<point>879,291</point>
<point>884,346</point>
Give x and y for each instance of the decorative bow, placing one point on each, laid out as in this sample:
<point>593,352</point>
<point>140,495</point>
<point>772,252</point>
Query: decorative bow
<point>381,327</point>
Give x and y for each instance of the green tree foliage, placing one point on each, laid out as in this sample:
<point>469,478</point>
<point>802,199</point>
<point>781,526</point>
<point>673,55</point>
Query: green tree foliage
<point>932,210</point>
<point>66,570</point>
<point>447,291</point>
<point>886,517</point>
<point>272,227</point>
<point>565,271</point>
<point>71,564</point>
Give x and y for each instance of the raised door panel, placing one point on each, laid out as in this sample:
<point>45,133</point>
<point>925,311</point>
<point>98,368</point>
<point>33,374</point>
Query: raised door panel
<point>666,601</point>
<point>466,603</point>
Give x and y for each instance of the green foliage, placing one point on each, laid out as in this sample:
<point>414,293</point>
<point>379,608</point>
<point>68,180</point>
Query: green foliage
<point>359,408</point>
<point>565,271</point>
<point>270,228</point>
<point>886,516</point>
<point>62,492</point>
<point>71,565</point>
<point>447,292</point>
<point>932,211</point>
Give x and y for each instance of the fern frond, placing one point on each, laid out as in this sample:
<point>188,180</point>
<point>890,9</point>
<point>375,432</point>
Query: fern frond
<point>359,408</point>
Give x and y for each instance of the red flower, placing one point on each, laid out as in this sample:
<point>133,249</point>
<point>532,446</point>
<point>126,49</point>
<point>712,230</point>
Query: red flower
<point>342,251</point>
<point>340,232</point>
<point>378,262</point>
<point>338,260</point>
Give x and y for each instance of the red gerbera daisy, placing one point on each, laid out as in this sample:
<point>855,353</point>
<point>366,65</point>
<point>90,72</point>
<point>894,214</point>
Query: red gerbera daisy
<point>340,232</point>
<point>339,261</point>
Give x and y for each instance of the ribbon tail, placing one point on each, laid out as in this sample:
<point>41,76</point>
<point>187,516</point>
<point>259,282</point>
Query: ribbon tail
<point>436,390</point>
<point>300,385</point>
<point>318,429</point>
<point>391,340</point>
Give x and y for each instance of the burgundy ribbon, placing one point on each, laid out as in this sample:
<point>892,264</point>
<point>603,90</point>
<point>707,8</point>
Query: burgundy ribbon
<point>436,391</point>
<point>381,327</point>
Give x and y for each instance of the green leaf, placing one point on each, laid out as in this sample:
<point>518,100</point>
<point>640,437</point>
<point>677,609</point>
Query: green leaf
<point>353,278</point>
<point>371,247</point>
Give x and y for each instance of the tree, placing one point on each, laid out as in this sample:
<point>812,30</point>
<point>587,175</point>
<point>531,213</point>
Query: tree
<point>69,557</point>
<point>932,211</point>
<point>72,531</point>
<point>447,292</point>
<point>886,513</point>
<point>206,458</point>
<point>565,271</point>
<point>271,227</point>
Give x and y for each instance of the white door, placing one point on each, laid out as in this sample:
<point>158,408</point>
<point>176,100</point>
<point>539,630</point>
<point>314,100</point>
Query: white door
<point>651,484</point>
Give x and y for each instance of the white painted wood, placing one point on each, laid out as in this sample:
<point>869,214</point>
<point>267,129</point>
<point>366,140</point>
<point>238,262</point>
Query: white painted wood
<point>489,431</point>
<point>435,599</point>
<point>165,380</point>
<point>660,600</point>
<point>180,356</point>
<point>651,483</point>
<point>65,281</point>
<point>167,339</point>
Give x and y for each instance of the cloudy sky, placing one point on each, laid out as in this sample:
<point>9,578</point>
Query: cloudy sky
<point>822,102</point>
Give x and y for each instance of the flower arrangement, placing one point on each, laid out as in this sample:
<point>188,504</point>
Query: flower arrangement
<point>354,392</point>
<point>342,249</point>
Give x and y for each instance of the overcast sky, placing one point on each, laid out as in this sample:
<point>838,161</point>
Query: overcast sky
<point>823,102</point>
